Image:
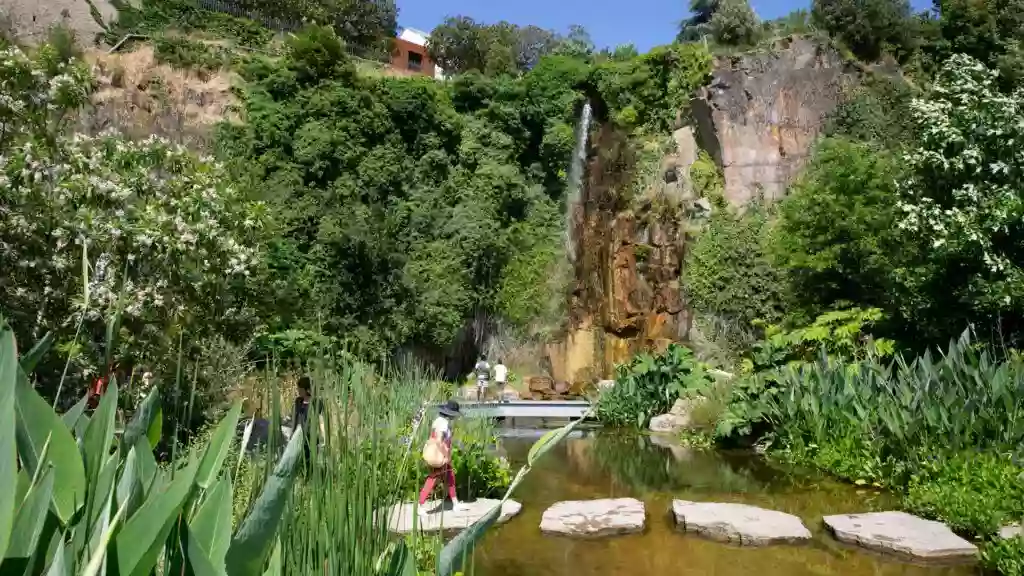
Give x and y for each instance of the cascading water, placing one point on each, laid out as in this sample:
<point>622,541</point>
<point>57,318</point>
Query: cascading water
<point>572,197</point>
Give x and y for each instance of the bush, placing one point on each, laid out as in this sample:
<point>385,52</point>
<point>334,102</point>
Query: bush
<point>729,275</point>
<point>649,384</point>
<point>960,206</point>
<point>973,492</point>
<point>837,238</point>
<point>735,24</point>
<point>870,28</point>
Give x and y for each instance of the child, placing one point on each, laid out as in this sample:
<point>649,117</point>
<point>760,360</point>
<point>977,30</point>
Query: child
<point>441,431</point>
<point>483,374</point>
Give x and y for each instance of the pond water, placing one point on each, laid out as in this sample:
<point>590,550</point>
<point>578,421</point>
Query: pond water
<point>605,464</point>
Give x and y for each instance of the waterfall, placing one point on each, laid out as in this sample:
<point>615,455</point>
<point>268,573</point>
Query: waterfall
<point>576,166</point>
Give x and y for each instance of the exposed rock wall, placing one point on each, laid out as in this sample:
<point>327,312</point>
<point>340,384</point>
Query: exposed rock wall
<point>626,295</point>
<point>762,111</point>
<point>32,19</point>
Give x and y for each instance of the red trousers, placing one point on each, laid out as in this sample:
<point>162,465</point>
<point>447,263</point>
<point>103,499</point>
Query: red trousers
<point>447,474</point>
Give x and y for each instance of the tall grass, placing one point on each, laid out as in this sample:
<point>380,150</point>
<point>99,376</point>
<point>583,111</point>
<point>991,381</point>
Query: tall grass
<point>965,398</point>
<point>334,526</point>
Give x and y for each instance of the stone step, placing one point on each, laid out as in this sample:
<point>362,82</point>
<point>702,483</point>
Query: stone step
<point>402,518</point>
<point>902,534</point>
<point>739,523</point>
<point>594,518</point>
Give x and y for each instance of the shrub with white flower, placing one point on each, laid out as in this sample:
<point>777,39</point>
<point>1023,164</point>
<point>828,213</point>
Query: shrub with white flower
<point>168,238</point>
<point>965,192</point>
<point>37,92</point>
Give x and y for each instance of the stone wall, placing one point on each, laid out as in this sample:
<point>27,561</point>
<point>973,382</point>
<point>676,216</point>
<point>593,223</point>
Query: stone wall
<point>762,111</point>
<point>31,19</point>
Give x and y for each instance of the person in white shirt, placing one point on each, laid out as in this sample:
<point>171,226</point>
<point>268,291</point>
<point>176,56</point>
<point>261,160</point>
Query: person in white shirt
<point>500,379</point>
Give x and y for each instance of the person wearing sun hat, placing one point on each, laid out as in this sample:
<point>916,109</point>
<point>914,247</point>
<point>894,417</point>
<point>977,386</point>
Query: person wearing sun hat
<point>437,453</point>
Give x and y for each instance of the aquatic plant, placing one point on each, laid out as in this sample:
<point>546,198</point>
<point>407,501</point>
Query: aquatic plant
<point>85,498</point>
<point>649,384</point>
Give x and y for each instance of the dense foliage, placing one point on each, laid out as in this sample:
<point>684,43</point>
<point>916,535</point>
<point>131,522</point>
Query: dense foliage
<point>405,207</point>
<point>649,384</point>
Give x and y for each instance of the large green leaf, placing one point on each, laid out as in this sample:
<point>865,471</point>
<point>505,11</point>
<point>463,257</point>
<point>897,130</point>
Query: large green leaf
<point>212,522</point>
<point>147,420</point>
<point>218,448</point>
<point>252,543</point>
<point>140,541</point>
<point>274,566</point>
<point>72,416</point>
<point>99,435</point>
<point>58,563</point>
<point>37,423</point>
<point>402,561</point>
<point>8,448</point>
<point>129,491</point>
<point>198,562</point>
<point>98,553</point>
<point>450,560</point>
<point>29,359</point>
<point>31,516</point>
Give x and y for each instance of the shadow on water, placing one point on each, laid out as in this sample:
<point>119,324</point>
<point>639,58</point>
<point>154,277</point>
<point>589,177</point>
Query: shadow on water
<point>606,464</point>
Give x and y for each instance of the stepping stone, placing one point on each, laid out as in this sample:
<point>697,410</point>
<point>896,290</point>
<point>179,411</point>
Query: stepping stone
<point>901,533</point>
<point>1009,531</point>
<point>592,518</point>
<point>739,523</point>
<point>402,518</point>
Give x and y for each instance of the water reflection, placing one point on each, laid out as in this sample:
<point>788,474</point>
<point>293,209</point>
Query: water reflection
<point>608,465</point>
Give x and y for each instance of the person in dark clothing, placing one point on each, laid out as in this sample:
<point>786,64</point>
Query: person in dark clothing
<point>304,404</point>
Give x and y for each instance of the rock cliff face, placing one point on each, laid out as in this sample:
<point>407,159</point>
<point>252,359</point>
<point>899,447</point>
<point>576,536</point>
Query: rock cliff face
<point>626,295</point>
<point>761,112</point>
<point>757,118</point>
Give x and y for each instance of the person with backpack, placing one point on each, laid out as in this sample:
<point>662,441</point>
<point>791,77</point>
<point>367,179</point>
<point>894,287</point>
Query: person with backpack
<point>483,374</point>
<point>437,453</point>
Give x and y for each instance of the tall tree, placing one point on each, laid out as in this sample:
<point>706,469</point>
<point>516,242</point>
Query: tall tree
<point>869,28</point>
<point>696,26</point>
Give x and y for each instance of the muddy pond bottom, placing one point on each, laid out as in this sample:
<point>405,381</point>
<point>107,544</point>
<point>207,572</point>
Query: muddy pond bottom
<point>607,464</point>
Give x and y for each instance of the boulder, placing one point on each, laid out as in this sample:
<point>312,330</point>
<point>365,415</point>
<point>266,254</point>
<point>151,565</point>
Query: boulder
<point>678,418</point>
<point>1010,531</point>
<point>403,518</point>
<point>540,384</point>
<point>739,523</point>
<point>901,533</point>
<point>669,423</point>
<point>593,518</point>
<point>510,394</point>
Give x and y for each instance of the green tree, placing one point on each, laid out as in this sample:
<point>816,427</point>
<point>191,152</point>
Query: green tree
<point>836,237</point>
<point>735,23</point>
<point>990,31</point>
<point>697,25</point>
<point>961,204</point>
<point>730,275</point>
<point>870,28</point>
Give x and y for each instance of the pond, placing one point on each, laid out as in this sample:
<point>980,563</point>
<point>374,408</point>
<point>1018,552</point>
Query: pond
<point>607,464</point>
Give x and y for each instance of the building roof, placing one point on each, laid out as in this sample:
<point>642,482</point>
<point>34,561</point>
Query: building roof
<point>413,35</point>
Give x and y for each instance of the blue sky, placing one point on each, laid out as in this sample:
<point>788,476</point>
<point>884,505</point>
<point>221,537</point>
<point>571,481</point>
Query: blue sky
<point>645,23</point>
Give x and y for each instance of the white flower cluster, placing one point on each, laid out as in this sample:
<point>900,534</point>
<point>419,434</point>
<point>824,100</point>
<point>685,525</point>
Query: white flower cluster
<point>147,209</point>
<point>32,90</point>
<point>966,189</point>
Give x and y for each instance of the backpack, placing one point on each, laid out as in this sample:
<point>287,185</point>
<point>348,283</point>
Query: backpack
<point>433,453</point>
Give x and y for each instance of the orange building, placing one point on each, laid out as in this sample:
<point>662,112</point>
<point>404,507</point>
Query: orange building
<point>410,55</point>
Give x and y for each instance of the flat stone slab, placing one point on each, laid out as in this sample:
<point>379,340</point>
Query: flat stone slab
<point>901,533</point>
<point>593,518</point>
<point>403,517</point>
<point>739,523</point>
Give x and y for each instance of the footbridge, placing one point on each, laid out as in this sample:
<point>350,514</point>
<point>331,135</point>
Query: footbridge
<point>572,409</point>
